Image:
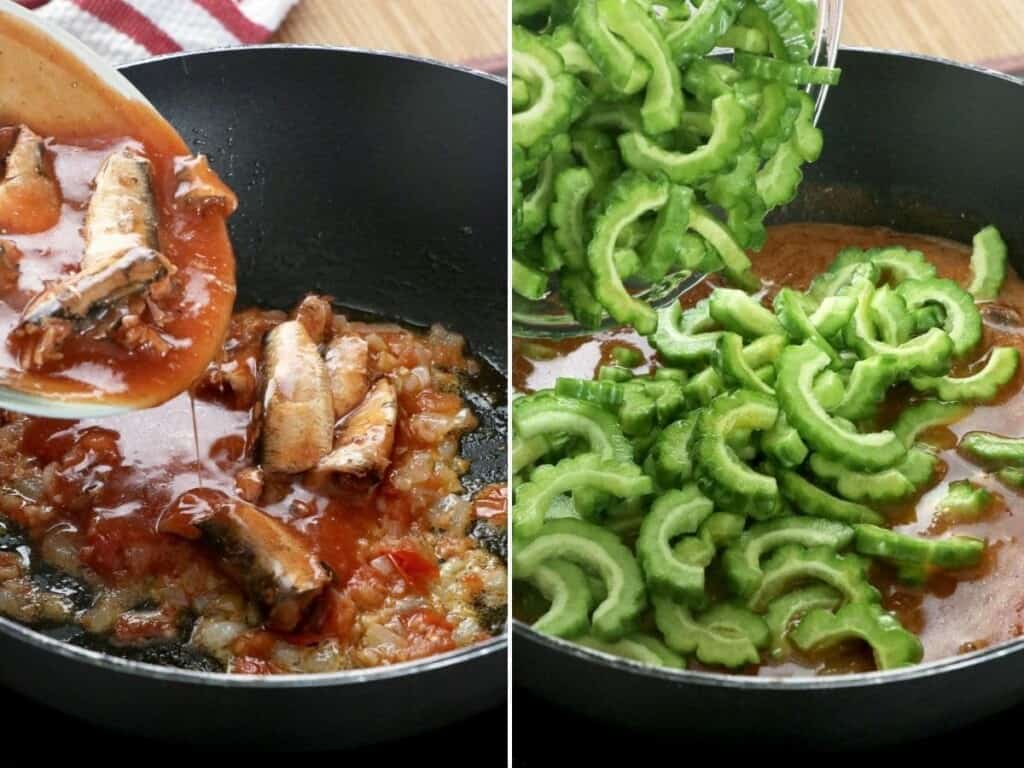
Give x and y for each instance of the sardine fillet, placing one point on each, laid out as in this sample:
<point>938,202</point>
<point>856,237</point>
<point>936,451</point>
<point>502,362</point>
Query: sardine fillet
<point>122,211</point>
<point>200,188</point>
<point>316,316</point>
<point>26,156</point>
<point>347,365</point>
<point>103,283</point>
<point>121,245</point>
<point>272,562</point>
<point>298,418</point>
<point>29,198</point>
<point>367,436</point>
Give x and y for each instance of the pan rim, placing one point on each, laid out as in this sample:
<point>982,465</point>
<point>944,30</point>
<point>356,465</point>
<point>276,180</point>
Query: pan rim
<point>977,68</point>
<point>376,52</point>
<point>165,673</point>
<point>522,632</point>
<point>476,652</point>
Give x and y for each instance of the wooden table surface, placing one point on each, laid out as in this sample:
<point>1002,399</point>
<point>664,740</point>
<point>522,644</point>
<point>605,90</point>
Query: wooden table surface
<point>463,31</point>
<point>475,31</point>
<point>986,31</point>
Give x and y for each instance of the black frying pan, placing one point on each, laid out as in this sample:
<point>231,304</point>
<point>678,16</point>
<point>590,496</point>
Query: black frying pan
<point>380,180</point>
<point>923,146</point>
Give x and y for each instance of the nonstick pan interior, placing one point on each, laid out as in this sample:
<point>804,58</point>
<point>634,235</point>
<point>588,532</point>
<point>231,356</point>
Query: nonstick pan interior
<point>379,180</point>
<point>922,146</point>
<point>375,178</point>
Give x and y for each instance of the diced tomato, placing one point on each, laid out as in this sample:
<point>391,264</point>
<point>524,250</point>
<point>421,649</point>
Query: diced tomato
<point>492,503</point>
<point>255,644</point>
<point>246,665</point>
<point>135,628</point>
<point>428,632</point>
<point>426,617</point>
<point>417,570</point>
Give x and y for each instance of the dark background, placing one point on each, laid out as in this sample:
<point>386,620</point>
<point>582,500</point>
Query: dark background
<point>480,741</point>
<point>594,743</point>
<point>539,728</point>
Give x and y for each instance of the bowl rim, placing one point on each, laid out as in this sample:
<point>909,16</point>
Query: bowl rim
<point>477,652</point>
<point>521,632</point>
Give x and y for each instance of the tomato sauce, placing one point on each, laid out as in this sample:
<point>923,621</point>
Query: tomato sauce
<point>83,121</point>
<point>123,489</point>
<point>954,612</point>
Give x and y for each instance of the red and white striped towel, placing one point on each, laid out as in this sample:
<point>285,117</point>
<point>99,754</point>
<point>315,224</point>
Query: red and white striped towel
<point>129,30</point>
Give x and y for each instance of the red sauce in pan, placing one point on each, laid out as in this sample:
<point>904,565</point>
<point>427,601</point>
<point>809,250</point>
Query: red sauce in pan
<point>141,462</point>
<point>112,489</point>
<point>953,612</point>
<point>82,125</point>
